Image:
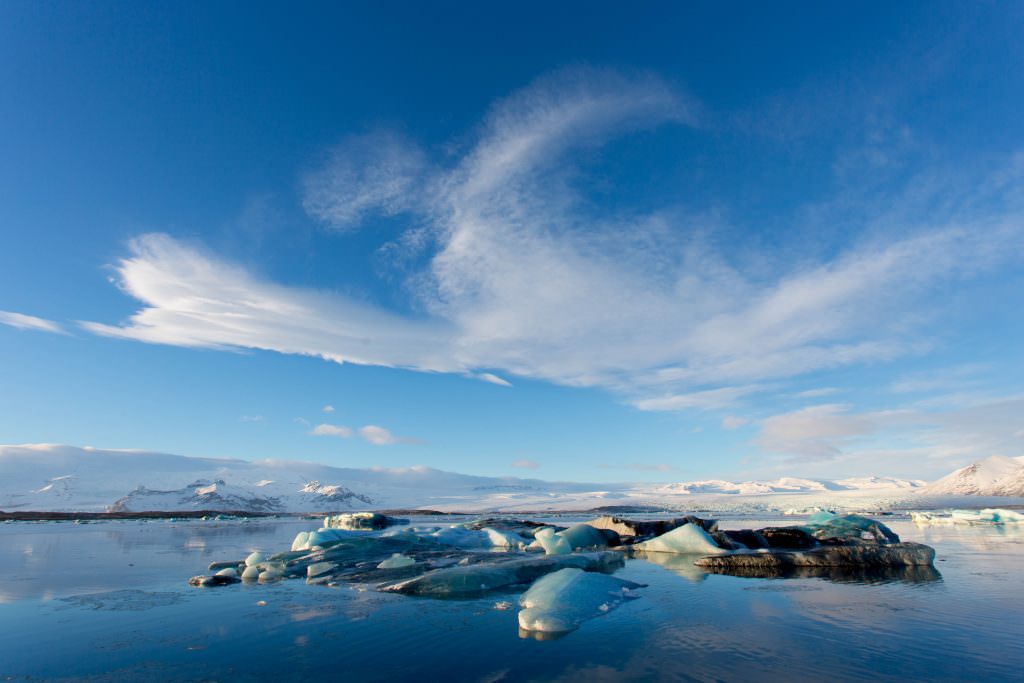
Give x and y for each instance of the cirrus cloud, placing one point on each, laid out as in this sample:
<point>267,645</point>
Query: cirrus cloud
<point>525,277</point>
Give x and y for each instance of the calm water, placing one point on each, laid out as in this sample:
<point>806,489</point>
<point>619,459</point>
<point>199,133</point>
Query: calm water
<point>109,601</point>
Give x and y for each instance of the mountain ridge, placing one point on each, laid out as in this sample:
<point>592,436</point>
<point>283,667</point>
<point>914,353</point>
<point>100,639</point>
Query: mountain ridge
<point>55,477</point>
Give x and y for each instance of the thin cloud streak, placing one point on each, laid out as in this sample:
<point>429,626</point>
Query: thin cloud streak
<point>22,321</point>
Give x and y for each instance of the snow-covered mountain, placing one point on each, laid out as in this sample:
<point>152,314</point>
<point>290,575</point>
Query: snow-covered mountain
<point>997,475</point>
<point>56,478</point>
<point>49,477</point>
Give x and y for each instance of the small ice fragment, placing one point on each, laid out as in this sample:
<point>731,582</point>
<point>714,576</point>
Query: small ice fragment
<point>503,605</point>
<point>250,573</point>
<point>271,574</point>
<point>228,571</point>
<point>320,568</point>
<point>261,603</point>
<point>396,561</point>
<point>254,559</point>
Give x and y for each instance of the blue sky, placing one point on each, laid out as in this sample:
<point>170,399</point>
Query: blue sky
<point>594,242</point>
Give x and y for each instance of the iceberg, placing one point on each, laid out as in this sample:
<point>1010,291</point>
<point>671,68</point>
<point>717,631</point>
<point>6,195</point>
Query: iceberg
<point>482,577</point>
<point>825,524</point>
<point>361,521</point>
<point>308,540</point>
<point>505,539</point>
<point>563,600</point>
<point>576,537</point>
<point>552,544</point>
<point>689,538</point>
<point>986,516</point>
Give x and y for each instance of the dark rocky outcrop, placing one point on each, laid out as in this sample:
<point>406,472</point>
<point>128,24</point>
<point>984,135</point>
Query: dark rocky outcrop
<point>214,580</point>
<point>860,555</point>
<point>787,538</point>
<point>633,530</point>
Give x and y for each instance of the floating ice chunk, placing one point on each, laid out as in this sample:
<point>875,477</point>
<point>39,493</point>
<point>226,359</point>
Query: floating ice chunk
<point>985,516</point>
<point>474,579</point>
<point>396,561</point>
<point>361,521</point>
<point>582,536</point>
<point>825,524</point>
<point>319,569</point>
<point>228,571</point>
<point>251,573</point>
<point>563,600</point>
<point>505,539</point>
<point>577,537</point>
<point>307,540</point>
<point>301,541</point>
<point>689,538</point>
<point>272,573</point>
<point>551,542</point>
<point>254,559</point>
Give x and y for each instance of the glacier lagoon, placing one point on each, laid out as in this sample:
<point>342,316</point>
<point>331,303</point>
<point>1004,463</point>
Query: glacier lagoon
<point>109,601</point>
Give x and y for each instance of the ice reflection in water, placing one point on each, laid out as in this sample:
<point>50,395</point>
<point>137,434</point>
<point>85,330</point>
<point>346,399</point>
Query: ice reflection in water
<point>686,625</point>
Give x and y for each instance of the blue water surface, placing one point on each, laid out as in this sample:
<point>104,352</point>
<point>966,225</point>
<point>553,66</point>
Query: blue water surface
<point>108,601</point>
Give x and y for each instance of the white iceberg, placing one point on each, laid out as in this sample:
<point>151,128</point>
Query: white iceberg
<point>308,540</point>
<point>360,521</point>
<point>577,537</point>
<point>505,539</point>
<point>986,516</point>
<point>689,538</point>
<point>563,600</point>
<point>552,543</point>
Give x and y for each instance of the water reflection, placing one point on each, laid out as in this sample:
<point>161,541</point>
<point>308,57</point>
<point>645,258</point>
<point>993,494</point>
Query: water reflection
<point>680,565</point>
<point>864,575</point>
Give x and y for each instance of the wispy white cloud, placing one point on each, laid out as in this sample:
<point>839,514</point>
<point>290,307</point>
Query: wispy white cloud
<point>814,432</point>
<point>251,418</point>
<point>817,393</point>
<point>907,441</point>
<point>733,422</point>
<point>491,378</point>
<point>377,172</point>
<point>707,399</point>
<point>524,277</point>
<point>22,321</point>
<point>526,464</point>
<point>957,378</point>
<point>328,409</point>
<point>639,466</point>
<point>378,436</point>
<point>331,430</point>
